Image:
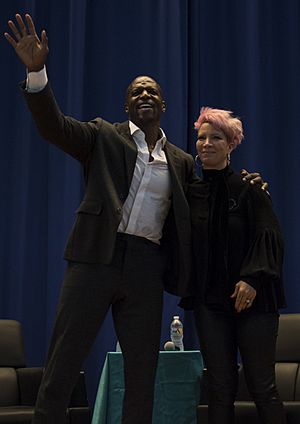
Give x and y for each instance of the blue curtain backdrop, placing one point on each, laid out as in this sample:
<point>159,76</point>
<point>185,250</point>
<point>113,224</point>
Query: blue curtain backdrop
<point>243,55</point>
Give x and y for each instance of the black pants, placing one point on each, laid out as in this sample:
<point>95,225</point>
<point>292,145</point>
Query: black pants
<point>132,286</point>
<point>221,334</point>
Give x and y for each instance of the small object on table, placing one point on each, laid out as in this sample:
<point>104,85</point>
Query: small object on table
<point>169,346</point>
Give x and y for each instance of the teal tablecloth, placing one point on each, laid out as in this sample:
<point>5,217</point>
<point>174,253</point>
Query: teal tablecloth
<point>177,389</point>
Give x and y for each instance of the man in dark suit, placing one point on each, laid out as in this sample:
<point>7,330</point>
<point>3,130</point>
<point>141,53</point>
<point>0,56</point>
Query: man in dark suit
<point>130,240</point>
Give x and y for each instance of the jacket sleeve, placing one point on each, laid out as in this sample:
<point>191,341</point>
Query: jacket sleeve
<point>72,136</point>
<point>263,261</point>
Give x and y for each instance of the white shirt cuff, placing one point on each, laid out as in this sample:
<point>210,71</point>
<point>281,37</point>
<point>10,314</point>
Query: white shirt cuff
<point>36,81</point>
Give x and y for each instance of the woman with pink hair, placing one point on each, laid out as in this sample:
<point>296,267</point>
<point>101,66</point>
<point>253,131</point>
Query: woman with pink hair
<point>238,289</point>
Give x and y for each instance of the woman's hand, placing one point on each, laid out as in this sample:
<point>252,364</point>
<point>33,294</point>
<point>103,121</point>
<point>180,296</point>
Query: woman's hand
<point>31,50</point>
<point>254,178</point>
<point>244,294</point>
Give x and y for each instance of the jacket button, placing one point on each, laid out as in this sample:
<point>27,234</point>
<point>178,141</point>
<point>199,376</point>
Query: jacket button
<point>119,210</point>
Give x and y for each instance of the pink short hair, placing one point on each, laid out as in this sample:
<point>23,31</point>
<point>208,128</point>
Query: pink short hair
<point>225,121</point>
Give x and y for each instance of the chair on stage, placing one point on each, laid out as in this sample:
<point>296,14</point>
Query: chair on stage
<point>287,374</point>
<point>19,385</point>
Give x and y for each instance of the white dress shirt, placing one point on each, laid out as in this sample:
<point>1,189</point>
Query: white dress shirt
<point>149,198</point>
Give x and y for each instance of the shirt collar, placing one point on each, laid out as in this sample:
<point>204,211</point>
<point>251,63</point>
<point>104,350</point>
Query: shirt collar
<point>135,129</point>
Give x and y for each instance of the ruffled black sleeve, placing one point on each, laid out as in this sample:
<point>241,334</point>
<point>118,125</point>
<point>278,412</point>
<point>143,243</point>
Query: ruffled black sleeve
<point>263,261</point>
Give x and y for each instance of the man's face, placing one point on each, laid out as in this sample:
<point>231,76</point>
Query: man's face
<point>144,103</point>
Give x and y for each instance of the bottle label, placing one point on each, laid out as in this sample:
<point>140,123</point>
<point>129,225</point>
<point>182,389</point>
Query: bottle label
<point>177,331</point>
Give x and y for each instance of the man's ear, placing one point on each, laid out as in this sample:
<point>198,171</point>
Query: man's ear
<point>164,106</point>
<point>126,108</point>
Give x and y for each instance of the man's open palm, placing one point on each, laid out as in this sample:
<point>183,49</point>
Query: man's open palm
<point>31,49</point>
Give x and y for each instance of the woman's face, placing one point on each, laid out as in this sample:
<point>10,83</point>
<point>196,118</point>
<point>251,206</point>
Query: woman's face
<point>212,147</point>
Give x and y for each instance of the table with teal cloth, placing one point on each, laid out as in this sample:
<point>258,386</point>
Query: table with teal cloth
<point>177,388</point>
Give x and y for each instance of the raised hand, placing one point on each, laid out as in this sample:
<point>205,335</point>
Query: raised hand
<point>31,50</point>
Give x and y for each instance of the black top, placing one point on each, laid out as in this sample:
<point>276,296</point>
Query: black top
<point>236,236</point>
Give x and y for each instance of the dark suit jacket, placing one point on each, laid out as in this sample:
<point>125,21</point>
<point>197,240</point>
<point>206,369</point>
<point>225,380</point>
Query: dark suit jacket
<point>108,153</point>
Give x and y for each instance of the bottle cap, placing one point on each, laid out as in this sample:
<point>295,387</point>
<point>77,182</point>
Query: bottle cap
<point>169,346</point>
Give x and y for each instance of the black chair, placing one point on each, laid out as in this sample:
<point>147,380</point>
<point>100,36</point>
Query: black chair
<point>287,374</point>
<point>19,385</point>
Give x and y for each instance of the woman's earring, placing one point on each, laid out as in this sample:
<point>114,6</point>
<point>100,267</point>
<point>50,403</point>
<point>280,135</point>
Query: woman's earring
<point>228,158</point>
<point>198,161</point>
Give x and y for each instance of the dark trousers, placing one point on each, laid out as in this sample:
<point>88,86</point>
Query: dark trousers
<point>221,334</point>
<point>132,286</point>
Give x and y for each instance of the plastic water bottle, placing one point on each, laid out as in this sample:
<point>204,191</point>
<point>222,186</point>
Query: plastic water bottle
<point>176,333</point>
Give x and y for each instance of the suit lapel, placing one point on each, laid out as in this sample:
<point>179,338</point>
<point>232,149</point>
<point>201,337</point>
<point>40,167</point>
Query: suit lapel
<point>130,150</point>
<point>175,167</point>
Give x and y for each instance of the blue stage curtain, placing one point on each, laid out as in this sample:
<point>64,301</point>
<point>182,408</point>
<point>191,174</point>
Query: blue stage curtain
<point>242,56</point>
